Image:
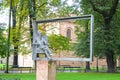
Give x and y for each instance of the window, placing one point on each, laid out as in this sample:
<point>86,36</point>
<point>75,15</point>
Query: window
<point>68,34</point>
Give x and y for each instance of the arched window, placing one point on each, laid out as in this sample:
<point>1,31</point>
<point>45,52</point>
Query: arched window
<point>68,34</point>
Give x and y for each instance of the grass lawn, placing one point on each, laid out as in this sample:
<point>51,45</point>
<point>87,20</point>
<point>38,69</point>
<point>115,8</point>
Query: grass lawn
<point>68,76</point>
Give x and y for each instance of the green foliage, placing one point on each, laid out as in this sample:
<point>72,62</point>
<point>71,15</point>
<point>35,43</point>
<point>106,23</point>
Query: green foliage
<point>3,42</point>
<point>100,44</point>
<point>66,11</point>
<point>82,48</point>
<point>56,2</point>
<point>1,5</point>
<point>23,9</point>
<point>58,42</point>
<point>114,32</point>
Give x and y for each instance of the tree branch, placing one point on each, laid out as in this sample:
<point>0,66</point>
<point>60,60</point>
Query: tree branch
<point>96,9</point>
<point>113,8</point>
<point>42,4</point>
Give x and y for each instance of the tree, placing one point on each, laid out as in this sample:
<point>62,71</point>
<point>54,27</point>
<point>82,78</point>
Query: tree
<point>18,20</point>
<point>20,12</point>
<point>108,17</point>
<point>15,38</point>
<point>105,12</point>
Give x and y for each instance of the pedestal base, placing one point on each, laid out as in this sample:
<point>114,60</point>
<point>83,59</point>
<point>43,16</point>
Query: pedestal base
<point>45,70</point>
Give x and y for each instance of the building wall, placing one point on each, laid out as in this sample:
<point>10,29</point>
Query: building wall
<point>70,54</point>
<point>67,25</point>
<point>3,60</point>
<point>25,60</point>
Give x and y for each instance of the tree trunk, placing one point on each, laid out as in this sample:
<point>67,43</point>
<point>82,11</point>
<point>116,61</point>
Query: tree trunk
<point>97,68</point>
<point>31,28</point>
<point>32,16</point>
<point>15,59</point>
<point>110,62</point>
<point>109,52</point>
<point>87,66</point>
<point>15,55</point>
<point>119,61</point>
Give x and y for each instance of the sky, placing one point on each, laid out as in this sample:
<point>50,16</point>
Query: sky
<point>4,18</point>
<point>70,2</point>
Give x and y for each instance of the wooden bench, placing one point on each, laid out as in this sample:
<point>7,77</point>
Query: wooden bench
<point>62,67</point>
<point>21,69</point>
<point>117,68</point>
<point>68,67</point>
<point>72,68</point>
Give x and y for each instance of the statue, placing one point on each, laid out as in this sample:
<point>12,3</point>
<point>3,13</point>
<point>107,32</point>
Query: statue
<point>40,45</point>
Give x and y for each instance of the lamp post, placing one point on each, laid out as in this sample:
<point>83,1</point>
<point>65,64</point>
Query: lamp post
<point>8,42</point>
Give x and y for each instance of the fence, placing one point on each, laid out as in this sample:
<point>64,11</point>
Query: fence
<point>17,69</point>
<point>62,68</point>
<point>9,78</point>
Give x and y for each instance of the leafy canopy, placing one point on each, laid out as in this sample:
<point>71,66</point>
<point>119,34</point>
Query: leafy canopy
<point>58,42</point>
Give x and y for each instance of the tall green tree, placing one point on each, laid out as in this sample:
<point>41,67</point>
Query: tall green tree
<point>15,36</point>
<point>18,19</point>
<point>105,12</point>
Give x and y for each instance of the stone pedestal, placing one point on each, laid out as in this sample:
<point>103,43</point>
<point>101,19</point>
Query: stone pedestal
<point>45,70</point>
